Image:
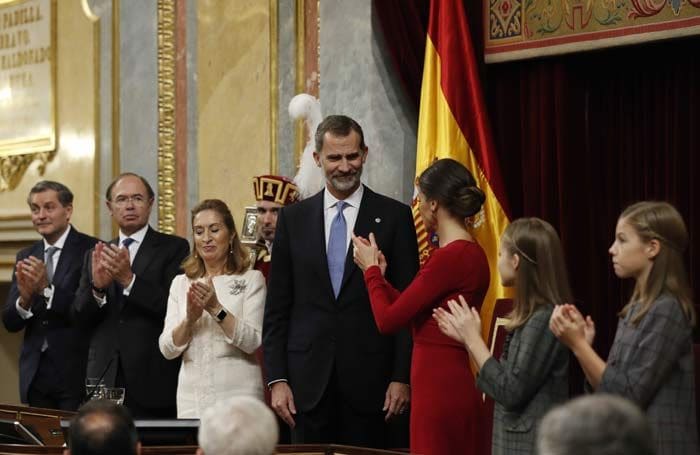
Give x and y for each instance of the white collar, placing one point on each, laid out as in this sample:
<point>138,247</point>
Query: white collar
<point>138,235</point>
<point>353,200</point>
<point>61,240</point>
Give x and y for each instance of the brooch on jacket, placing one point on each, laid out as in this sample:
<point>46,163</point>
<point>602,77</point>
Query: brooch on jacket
<point>237,287</point>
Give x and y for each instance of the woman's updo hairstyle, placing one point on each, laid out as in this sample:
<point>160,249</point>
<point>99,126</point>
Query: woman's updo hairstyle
<point>452,185</point>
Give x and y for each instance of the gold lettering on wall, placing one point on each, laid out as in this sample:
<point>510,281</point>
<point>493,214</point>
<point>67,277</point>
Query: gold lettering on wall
<point>27,88</point>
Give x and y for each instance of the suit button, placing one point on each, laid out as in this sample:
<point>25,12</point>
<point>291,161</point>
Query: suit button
<point>121,321</point>
<point>44,323</point>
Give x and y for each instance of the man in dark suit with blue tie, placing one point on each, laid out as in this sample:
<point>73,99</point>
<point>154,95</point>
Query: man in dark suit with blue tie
<point>123,298</point>
<point>46,276</point>
<point>334,378</point>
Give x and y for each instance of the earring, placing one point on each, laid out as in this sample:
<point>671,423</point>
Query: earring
<point>230,251</point>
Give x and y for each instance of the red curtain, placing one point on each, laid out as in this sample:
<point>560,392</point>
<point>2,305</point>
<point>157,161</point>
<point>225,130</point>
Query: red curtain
<point>581,136</point>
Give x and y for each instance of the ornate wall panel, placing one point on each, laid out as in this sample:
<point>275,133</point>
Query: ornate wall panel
<point>518,29</point>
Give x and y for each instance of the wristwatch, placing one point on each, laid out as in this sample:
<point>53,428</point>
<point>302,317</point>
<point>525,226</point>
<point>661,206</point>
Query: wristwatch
<point>221,315</point>
<point>99,290</point>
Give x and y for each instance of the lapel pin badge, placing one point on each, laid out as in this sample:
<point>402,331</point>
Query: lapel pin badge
<point>377,220</point>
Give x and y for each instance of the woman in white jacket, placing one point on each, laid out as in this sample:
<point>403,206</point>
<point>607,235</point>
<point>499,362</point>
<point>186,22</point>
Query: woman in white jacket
<point>214,317</point>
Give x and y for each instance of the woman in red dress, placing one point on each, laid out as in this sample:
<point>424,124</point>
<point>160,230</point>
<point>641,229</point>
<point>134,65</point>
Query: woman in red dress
<point>446,406</point>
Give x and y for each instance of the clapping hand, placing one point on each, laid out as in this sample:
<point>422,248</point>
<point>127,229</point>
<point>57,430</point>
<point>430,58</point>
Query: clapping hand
<point>366,253</point>
<point>31,279</point>
<point>569,326</point>
<point>462,323</point>
<point>116,262</point>
<point>101,278</point>
<point>194,308</point>
<point>205,295</point>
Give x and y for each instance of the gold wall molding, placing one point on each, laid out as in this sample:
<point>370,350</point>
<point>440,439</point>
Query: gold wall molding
<point>166,116</point>
<point>274,84</point>
<point>13,167</point>
<point>299,67</point>
<point>307,67</point>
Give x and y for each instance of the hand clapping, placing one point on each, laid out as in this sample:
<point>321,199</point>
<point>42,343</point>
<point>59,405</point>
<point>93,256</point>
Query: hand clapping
<point>570,327</point>
<point>31,278</point>
<point>462,323</point>
<point>366,253</point>
<point>205,295</point>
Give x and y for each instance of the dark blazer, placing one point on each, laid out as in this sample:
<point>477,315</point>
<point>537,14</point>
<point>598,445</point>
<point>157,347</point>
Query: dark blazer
<point>651,363</point>
<point>127,328</point>
<point>67,345</point>
<point>530,378</point>
<point>307,331</point>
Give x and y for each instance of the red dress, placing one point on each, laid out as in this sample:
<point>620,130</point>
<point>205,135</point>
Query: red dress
<point>446,407</point>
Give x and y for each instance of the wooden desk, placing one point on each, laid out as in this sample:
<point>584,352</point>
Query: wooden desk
<point>45,422</point>
<point>303,449</point>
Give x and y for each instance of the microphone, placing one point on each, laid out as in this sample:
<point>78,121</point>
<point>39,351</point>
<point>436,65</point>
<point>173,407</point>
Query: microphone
<point>89,396</point>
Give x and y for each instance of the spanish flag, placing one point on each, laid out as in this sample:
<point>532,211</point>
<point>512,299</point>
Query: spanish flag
<point>453,124</point>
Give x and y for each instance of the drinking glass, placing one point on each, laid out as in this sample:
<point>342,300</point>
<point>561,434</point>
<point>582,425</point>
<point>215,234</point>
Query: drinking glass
<point>115,394</point>
<point>94,388</point>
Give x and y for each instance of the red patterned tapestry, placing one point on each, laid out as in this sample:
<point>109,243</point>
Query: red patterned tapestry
<point>519,29</point>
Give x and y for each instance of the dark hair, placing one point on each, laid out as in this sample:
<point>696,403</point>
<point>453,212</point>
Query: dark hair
<point>452,185</point>
<point>102,427</point>
<point>149,190</point>
<point>65,196</point>
<point>238,260</point>
<point>338,125</point>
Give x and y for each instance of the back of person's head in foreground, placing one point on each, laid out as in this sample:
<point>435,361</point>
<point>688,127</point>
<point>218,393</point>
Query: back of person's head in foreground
<point>102,427</point>
<point>238,426</point>
<point>597,424</point>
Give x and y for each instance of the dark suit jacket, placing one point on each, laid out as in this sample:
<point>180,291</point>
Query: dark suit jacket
<point>128,328</point>
<point>307,331</point>
<point>67,345</point>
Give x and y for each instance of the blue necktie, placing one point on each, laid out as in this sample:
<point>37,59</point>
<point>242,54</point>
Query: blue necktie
<point>337,248</point>
<point>126,242</point>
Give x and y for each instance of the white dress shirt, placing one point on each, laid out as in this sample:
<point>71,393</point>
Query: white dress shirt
<point>350,212</point>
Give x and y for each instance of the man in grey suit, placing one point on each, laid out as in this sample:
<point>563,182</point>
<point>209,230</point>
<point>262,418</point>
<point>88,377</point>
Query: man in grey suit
<point>52,361</point>
<point>334,377</point>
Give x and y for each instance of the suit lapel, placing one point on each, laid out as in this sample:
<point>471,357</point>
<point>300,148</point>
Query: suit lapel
<point>66,258</point>
<point>38,250</point>
<point>318,241</point>
<point>146,251</point>
<point>362,227</point>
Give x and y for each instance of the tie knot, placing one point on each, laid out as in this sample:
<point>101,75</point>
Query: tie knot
<point>340,205</point>
<point>51,250</point>
<point>127,242</point>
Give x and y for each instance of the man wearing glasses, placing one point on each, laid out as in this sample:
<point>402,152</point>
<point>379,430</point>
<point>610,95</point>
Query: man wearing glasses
<point>123,297</point>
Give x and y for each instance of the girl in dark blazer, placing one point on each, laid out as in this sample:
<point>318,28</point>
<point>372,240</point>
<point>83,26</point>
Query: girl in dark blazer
<point>651,359</point>
<point>532,373</point>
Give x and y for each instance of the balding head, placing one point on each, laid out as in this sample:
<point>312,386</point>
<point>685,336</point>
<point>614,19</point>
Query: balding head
<point>102,428</point>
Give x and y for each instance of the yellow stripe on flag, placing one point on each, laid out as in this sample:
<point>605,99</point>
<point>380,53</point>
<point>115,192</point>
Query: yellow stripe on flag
<point>439,136</point>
